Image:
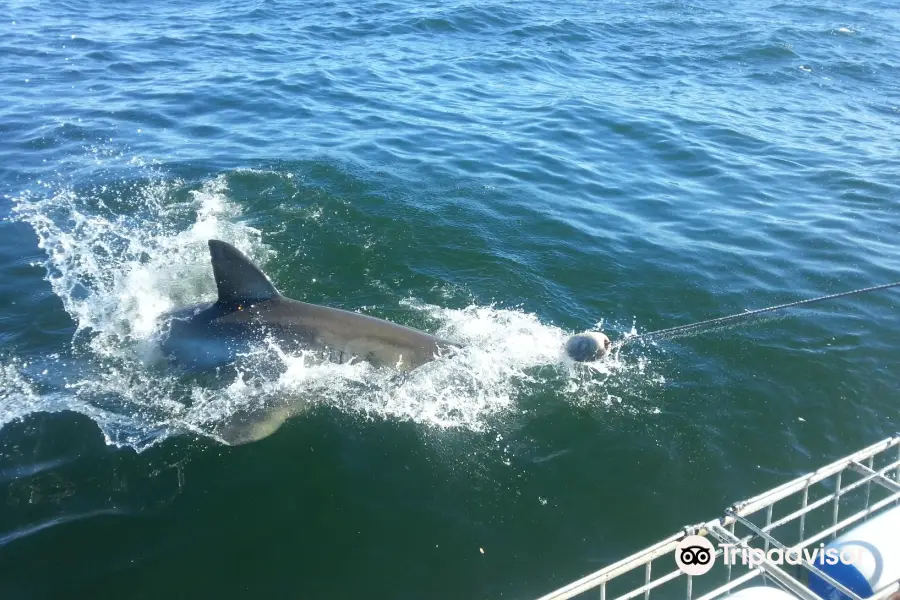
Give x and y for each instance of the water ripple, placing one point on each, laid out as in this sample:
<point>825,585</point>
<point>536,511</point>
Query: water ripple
<point>481,165</point>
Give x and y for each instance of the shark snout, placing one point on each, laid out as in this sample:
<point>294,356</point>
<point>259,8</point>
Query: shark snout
<point>591,345</point>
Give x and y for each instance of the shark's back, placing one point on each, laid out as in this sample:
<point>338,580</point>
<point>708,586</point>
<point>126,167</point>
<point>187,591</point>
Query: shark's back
<point>249,306</point>
<point>356,335</point>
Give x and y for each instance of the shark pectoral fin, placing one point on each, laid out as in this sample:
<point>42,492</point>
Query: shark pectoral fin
<point>256,425</point>
<point>237,278</point>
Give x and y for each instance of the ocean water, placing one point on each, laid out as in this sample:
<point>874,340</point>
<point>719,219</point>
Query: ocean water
<point>503,174</point>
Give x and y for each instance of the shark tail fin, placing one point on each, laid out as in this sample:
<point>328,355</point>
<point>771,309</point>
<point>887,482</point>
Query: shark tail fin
<point>237,278</point>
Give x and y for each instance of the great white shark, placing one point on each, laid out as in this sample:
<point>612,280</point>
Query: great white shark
<point>249,308</point>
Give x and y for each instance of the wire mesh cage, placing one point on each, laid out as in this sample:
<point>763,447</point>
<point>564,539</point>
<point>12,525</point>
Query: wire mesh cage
<point>781,539</point>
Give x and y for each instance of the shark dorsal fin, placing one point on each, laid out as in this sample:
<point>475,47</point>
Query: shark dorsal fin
<point>238,279</point>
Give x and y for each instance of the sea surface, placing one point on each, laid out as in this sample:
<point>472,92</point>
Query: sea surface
<point>503,174</point>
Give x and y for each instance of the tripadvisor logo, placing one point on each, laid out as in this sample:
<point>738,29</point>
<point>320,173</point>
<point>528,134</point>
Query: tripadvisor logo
<point>696,555</point>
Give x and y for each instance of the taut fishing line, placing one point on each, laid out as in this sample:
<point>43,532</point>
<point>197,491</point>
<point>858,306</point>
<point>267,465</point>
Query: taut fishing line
<point>698,327</point>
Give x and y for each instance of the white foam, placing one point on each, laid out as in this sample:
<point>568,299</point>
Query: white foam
<point>117,268</point>
<point>17,394</point>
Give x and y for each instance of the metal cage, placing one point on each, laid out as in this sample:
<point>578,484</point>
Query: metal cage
<point>809,511</point>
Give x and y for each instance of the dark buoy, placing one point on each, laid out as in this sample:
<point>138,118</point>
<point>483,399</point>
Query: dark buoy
<point>591,345</point>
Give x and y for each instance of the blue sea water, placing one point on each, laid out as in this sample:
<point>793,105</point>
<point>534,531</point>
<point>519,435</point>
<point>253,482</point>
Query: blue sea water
<point>503,174</point>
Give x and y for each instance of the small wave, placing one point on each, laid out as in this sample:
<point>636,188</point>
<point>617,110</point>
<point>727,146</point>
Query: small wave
<point>18,396</point>
<point>36,528</point>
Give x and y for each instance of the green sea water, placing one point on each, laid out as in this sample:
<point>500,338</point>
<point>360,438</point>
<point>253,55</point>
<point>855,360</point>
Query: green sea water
<point>502,174</point>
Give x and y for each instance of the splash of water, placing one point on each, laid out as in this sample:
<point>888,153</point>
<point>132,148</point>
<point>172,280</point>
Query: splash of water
<point>120,257</point>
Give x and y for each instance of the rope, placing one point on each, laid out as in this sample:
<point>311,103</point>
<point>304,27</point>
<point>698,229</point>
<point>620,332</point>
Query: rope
<point>750,313</point>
